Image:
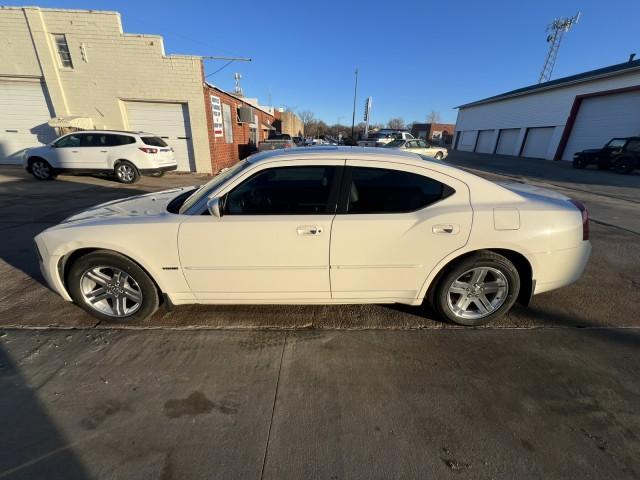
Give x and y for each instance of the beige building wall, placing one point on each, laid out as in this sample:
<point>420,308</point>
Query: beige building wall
<point>291,124</point>
<point>109,68</point>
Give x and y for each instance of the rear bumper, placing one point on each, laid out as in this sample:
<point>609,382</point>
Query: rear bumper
<point>560,268</point>
<point>163,168</point>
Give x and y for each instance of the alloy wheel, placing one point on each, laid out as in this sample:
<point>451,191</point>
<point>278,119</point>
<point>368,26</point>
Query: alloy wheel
<point>125,172</point>
<point>41,169</point>
<point>478,293</point>
<point>111,291</point>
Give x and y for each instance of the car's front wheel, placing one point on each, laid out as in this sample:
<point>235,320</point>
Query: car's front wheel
<point>112,288</point>
<point>477,290</point>
<point>438,156</point>
<point>126,172</point>
<point>41,169</point>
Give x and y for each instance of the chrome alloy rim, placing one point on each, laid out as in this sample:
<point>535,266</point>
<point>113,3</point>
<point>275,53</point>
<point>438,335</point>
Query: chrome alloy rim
<point>125,172</point>
<point>477,293</point>
<point>111,291</point>
<point>40,169</point>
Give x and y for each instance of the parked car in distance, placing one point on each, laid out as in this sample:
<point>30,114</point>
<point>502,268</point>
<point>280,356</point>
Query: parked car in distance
<point>276,141</point>
<point>383,137</point>
<point>319,226</point>
<point>127,155</point>
<point>299,141</point>
<point>620,154</point>
<point>420,147</point>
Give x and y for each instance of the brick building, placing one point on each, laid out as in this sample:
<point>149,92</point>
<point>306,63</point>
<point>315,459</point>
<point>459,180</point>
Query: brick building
<point>440,133</point>
<point>235,126</point>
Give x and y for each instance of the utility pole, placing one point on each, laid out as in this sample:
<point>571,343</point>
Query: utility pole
<point>353,116</point>
<point>555,30</point>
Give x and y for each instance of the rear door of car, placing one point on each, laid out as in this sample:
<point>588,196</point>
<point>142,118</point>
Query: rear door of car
<point>395,223</point>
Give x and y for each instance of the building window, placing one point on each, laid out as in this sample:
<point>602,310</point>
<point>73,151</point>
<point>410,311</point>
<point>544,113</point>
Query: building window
<point>63,50</point>
<point>226,119</point>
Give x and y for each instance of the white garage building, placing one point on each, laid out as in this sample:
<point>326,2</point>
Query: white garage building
<point>79,64</point>
<point>552,120</point>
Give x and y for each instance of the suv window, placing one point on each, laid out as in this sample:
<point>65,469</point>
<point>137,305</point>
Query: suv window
<point>412,144</point>
<point>423,144</point>
<point>633,146</point>
<point>395,144</point>
<point>378,190</point>
<point>154,141</point>
<point>93,140</point>
<point>283,191</point>
<point>117,140</point>
<point>617,143</point>
<point>69,141</point>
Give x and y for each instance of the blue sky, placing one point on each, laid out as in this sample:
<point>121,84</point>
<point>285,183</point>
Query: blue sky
<point>413,56</point>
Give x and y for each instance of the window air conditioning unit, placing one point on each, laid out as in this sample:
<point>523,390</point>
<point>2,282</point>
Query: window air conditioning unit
<point>245,115</point>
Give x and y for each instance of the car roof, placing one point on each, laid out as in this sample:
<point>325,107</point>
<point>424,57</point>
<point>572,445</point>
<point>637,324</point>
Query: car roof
<point>332,152</point>
<point>126,132</point>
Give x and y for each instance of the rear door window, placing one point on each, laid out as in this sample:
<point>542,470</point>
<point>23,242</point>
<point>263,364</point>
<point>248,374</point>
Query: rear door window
<point>154,141</point>
<point>93,140</point>
<point>379,190</point>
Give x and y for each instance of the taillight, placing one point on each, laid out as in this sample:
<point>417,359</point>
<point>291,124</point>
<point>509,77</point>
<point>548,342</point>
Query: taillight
<point>585,218</point>
<point>148,150</point>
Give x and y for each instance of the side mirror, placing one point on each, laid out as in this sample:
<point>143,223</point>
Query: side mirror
<point>213,205</point>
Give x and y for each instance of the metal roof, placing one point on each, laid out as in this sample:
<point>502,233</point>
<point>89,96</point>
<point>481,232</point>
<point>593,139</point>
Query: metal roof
<point>609,71</point>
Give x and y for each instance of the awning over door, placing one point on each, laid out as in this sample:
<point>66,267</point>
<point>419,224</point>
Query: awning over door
<point>266,126</point>
<point>82,123</point>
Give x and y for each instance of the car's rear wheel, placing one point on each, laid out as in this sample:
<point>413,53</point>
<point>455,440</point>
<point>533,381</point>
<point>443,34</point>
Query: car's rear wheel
<point>112,288</point>
<point>41,169</point>
<point>624,165</point>
<point>477,290</point>
<point>126,172</point>
<point>438,156</point>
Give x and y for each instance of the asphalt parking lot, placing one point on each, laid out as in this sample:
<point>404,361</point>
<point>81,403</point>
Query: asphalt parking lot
<point>549,391</point>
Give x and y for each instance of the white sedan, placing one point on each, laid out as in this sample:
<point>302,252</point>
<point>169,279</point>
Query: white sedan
<point>420,147</point>
<point>322,225</point>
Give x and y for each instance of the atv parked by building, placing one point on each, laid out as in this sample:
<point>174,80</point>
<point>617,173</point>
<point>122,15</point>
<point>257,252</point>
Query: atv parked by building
<point>620,154</point>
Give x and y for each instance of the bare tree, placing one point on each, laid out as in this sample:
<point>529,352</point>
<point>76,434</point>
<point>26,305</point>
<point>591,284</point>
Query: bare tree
<point>307,118</point>
<point>433,117</point>
<point>396,123</point>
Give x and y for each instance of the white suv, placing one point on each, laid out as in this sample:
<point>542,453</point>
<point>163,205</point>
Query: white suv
<point>127,155</point>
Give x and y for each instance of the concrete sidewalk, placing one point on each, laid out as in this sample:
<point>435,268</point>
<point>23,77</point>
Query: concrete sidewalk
<point>544,403</point>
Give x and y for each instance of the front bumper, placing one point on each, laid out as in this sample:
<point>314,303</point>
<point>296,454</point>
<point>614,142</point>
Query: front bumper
<point>163,168</point>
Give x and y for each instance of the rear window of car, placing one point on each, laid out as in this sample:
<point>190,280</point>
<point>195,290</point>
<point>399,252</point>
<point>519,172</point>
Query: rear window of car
<point>378,190</point>
<point>154,141</point>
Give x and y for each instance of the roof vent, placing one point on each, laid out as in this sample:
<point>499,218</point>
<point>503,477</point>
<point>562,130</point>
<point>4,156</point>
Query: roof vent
<point>631,57</point>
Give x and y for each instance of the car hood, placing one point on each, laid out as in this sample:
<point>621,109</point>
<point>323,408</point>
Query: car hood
<point>149,204</point>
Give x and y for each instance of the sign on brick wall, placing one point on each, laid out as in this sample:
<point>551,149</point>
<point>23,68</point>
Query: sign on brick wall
<point>216,112</point>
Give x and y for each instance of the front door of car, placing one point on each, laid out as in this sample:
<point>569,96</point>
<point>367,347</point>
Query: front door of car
<point>66,151</point>
<point>271,242</point>
<point>393,226</point>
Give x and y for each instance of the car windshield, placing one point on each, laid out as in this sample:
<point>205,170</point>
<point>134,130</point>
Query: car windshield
<point>394,144</point>
<point>214,183</point>
<point>154,141</point>
<point>617,143</point>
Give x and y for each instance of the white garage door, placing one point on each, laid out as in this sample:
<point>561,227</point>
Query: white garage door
<point>600,119</point>
<point>485,141</point>
<point>467,140</point>
<point>507,141</point>
<point>24,113</point>
<point>170,121</point>
<point>537,143</point>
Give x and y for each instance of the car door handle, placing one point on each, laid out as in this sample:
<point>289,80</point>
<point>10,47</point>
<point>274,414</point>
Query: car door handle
<point>445,229</point>
<point>309,230</point>
<point>104,151</point>
<point>74,151</point>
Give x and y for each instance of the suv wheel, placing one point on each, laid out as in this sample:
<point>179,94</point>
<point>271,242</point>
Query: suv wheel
<point>438,156</point>
<point>41,169</point>
<point>624,165</point>
<point>477,290</point>
<point>578,163</point>
<point>126,172</point>
<point>112,288</point>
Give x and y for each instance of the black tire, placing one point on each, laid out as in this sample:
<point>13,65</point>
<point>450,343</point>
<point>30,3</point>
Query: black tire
<point>111,261</point>
<point>624,165</point>
<point>503,301</point>
<point>126,172</point>
<point>438,156</point>
<point>41,169</point>
<point>579,163</point>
